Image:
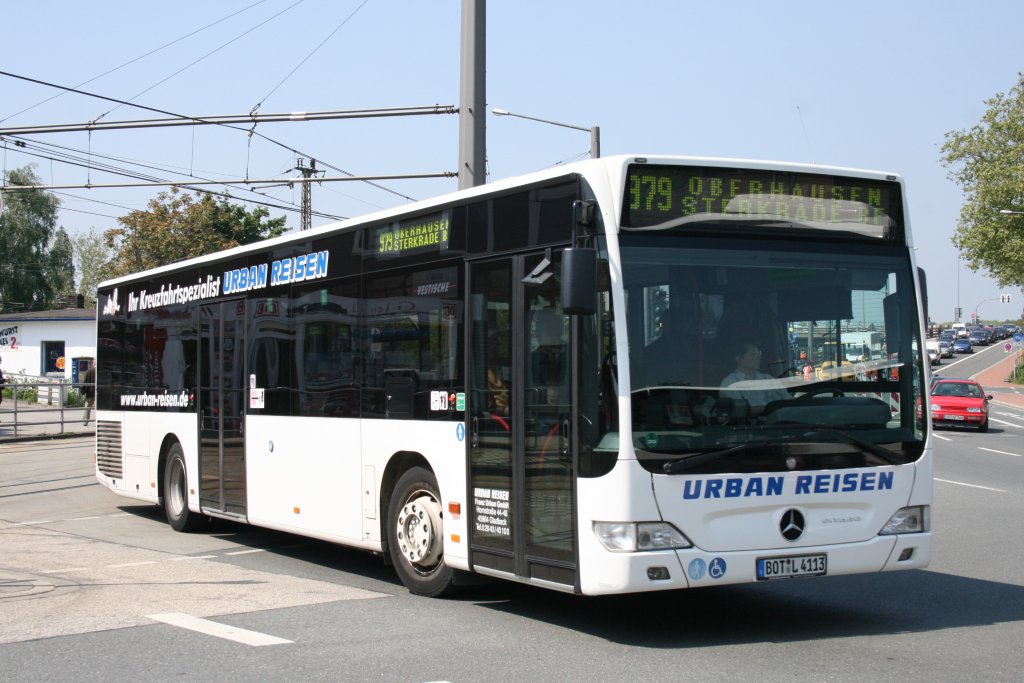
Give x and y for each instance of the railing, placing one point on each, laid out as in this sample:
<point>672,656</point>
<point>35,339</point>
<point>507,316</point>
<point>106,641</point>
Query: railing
<point>45,406</point>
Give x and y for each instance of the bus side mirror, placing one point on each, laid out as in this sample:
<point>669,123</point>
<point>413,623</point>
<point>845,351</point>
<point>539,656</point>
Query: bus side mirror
<point>579,281</point>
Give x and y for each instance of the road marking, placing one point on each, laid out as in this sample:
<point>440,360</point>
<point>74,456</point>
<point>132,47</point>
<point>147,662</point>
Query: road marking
<point>192,557</point>
<point>992,450</point>
<point>940,436</point>
<point>38,521</point>
<point>129,564</point>
<point>212,628</point>
<point>1004,422</point>
<point>62,571</point>
<point>247,552</point>
<point>973,486</point>
<point>81,519</point>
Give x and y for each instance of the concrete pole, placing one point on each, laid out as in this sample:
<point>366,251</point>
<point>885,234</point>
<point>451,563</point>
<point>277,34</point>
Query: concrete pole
<point>473,96</point>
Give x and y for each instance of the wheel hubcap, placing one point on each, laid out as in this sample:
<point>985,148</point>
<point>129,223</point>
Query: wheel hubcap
<point>176,494</point>
<point>419,531</point>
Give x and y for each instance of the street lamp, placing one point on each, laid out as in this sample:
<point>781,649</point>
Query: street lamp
<point>595,131</point>
<point>1008,212</point>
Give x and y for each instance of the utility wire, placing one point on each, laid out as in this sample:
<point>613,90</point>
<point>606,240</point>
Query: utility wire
<point>199,120</point>
<point>208,54</point>
<point>31,144</point>
<point>132,174</point>
<point>132,61</point>
<point>306,58</point>
<point>186,186</point>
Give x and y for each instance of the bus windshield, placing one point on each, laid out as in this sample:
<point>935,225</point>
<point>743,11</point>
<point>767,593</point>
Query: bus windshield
<point>755,355</point>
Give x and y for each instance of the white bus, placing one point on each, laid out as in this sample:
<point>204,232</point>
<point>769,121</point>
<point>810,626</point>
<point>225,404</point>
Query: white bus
<point>586,379</point>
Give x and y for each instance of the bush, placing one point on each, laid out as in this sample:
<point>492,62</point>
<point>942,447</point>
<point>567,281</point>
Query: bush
<point>26,394</point>
<point>1017,376</point>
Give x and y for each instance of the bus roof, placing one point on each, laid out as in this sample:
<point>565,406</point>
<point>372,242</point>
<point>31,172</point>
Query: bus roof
<point>612,169</point>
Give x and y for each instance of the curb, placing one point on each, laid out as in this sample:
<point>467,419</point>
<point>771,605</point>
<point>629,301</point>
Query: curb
<point>45,437</point>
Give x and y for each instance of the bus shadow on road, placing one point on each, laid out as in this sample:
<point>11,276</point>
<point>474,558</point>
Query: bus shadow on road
<point>346,561</point>
<point>783,611</point>
<point>798,610</point>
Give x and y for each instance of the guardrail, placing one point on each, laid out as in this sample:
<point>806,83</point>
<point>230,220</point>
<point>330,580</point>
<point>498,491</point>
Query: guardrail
<point>45,406</point>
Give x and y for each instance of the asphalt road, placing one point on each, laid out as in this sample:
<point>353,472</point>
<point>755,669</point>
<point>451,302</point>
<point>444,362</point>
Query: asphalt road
<point>96,588</point>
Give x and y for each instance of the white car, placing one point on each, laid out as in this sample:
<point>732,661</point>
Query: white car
<point>934,352</point>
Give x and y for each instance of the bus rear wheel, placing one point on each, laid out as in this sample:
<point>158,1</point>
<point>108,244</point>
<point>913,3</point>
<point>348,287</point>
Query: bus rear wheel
<point>416,534</point>
<point>176,493</point>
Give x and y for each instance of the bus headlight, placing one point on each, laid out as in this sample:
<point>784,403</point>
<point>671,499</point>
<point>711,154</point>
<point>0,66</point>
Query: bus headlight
<point>911,520</point>
<point>628,537</point>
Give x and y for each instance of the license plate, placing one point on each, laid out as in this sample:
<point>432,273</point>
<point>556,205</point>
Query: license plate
<point>954,417</point>
<point>792,566</point>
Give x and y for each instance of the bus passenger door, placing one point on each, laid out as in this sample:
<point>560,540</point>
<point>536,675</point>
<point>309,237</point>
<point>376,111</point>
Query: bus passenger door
<point>521,412</point>
<point>222,392</point>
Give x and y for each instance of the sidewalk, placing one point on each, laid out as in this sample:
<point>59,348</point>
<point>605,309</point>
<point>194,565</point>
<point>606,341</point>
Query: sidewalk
<point>40,421</point>
<point>994,379</point>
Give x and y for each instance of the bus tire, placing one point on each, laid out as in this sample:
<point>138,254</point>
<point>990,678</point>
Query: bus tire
<point>176,492</point>
<point>416,534</point>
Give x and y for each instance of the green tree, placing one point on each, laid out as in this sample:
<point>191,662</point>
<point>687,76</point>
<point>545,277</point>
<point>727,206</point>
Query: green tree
<point>60,266</point>
<point>178,226</point>
<point>987,162</point>
<point>26,229</point>
<point>91,255</point>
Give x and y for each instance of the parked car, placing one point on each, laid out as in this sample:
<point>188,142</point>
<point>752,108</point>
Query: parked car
<point>962,346</point>
<point>959,402</point>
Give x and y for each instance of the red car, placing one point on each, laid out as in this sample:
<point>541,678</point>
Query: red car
<point>959,402</point>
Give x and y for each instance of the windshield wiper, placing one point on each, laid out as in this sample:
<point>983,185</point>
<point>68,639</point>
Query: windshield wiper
<point>690,460</point>
<point>881,452</point>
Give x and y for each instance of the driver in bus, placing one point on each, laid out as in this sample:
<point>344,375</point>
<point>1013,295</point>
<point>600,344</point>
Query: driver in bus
<point>748,363</point>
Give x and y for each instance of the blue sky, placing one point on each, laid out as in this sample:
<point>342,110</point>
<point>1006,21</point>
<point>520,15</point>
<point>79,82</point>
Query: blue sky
<point>869,84</point>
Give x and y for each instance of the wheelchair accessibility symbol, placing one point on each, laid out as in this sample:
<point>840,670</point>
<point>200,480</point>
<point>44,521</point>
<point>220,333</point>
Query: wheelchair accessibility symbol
<point>716,569</point>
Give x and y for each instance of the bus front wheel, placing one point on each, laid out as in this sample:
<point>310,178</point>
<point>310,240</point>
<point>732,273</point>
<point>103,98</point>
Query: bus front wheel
<point>176,493</point>
<point>416,534</point>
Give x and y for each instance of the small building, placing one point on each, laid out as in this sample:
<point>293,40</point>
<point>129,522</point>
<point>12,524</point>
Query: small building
<point>45,343</point>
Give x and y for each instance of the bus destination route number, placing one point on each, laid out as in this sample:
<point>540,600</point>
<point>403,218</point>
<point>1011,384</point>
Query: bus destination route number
<point>655,194</point>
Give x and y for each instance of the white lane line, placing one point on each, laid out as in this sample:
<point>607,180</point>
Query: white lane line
<point>992,450</point>
<point>247,552</point>
<point>940,436</point>
<point>192,557</point>
<point>63,571</point>
<point>130,564</point>
<point>1004,422</point>
<point>973,486</point>
<point>80,519</point>
<point>38,521</point>
<point>212,628</point>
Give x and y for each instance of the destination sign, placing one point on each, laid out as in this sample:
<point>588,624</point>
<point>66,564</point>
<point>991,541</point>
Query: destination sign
<point>656,194</point>
<point>427,234</point>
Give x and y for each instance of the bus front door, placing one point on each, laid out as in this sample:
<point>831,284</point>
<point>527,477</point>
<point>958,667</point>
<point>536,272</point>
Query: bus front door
<point>521,412</point>
<point>222,392</point>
